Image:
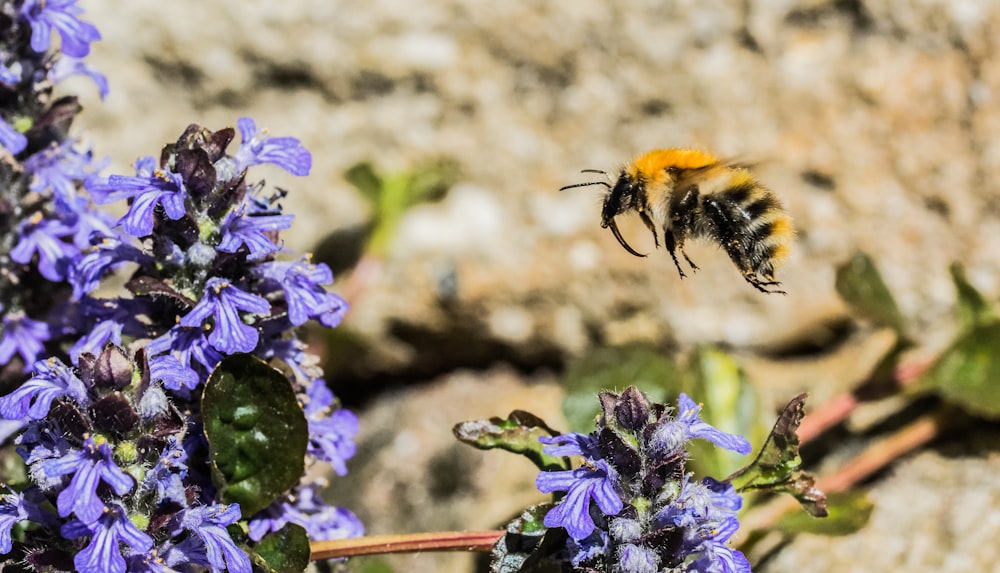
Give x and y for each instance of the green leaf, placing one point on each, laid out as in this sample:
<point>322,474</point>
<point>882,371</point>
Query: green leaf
<point>973,309</point>
<point>848,513</point>
<point>615,368</point>
<point>861,286</point>
<point>778,467</point>
<point>729,403</point>
<point>430,181</point>
<point>363,177</point>
<point>283,551</point>
<point>256,431</point>
<point>967,373</point>
<point>528,547</point>
<point>518,433</point>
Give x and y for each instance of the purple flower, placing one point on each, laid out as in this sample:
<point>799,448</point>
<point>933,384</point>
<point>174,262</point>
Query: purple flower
<point>252,231</point>
<point>98,261</point>
<point>32,399</point>
<point>687,414</point>
<point>303,283</point>
<point>90,466</point>
<point>208,525</point>
<point>167,475</point>
<point>103,554</point>
<point>304,506</point>
<point>24,336</point>
<point>59,168</point>
<point>12,511</point>
<point>61,15</point>
<point>259,148</point>
<point>161,187</point>
<point>715,555</point>
<point>174,375</point>
<point>12,139</point>
<point>571,444</point>
<point>45,237</point>
<point>187,345</point>
<point>331,434</point>
<point>66,67</point>
<point>594,480</point>
<point>223,301</point>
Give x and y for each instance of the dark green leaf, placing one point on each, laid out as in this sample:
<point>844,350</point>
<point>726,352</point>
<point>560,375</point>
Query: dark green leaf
<point>729,403</point>
<point>615,368</point>
<point>256,431</point>
<point>364,178</point>
<point>518,433</point>
<point>967,373</point>
<point>528,547</point>
<point>973,309</point>
<point>861,286</point>
<point>283,551</point>
<point>848,513</point>
<point>778,465</point>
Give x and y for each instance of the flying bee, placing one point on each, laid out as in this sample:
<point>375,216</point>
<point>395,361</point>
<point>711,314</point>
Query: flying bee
<point>691,194</point>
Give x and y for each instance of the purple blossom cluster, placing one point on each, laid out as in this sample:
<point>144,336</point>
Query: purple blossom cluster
<point>46,222</point>
<point>631,507</point>
<point>102,392</point>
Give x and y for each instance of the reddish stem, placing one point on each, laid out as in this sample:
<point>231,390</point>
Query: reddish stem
<point>481,541</point>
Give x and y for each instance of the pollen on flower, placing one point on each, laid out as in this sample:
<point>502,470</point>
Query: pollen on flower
<point>36,218</point>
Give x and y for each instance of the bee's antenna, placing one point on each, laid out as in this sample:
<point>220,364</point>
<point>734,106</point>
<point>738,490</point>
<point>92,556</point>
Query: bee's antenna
<point>587,184</point>
<point>594,171</point>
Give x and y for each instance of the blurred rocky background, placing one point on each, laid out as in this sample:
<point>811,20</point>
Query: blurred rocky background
<point>874,121</point>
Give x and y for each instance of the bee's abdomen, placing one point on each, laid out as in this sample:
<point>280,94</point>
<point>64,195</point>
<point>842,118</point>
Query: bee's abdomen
<point>750,224</point>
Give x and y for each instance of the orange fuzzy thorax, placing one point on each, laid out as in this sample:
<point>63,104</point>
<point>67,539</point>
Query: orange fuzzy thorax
<point>651,164</point>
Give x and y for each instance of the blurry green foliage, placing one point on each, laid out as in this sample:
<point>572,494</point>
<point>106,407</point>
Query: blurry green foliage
<point>615,368</point>
<point>861,286</point>
<point>847,512</point>
<point>391,194</point>
<point>973,309</point>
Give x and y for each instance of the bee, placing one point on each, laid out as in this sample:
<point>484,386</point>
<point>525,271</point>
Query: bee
<point>690,194</point>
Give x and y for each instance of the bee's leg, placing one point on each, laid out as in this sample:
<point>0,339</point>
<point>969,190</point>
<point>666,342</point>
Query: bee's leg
<point>652,228</point>
<point>682,210</point>
<point>668,238</point>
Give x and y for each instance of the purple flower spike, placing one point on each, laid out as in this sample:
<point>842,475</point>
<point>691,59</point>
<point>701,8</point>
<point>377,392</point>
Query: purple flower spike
<point>259,148</point>
<point>253,231</point>
<point>223,301</point>
<point>103,554</point>
<point>23,336</point>
<point>687,413</point>
<point>61,15</point>
<point>594,480</point>
<point>12,139</point>
<point>89,466</point>
<point>33,399</point>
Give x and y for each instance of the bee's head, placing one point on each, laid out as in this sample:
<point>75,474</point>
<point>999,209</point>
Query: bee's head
<point>626,195</point>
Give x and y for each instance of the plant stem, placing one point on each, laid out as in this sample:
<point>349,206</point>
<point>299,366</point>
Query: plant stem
<point>481,541</point>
